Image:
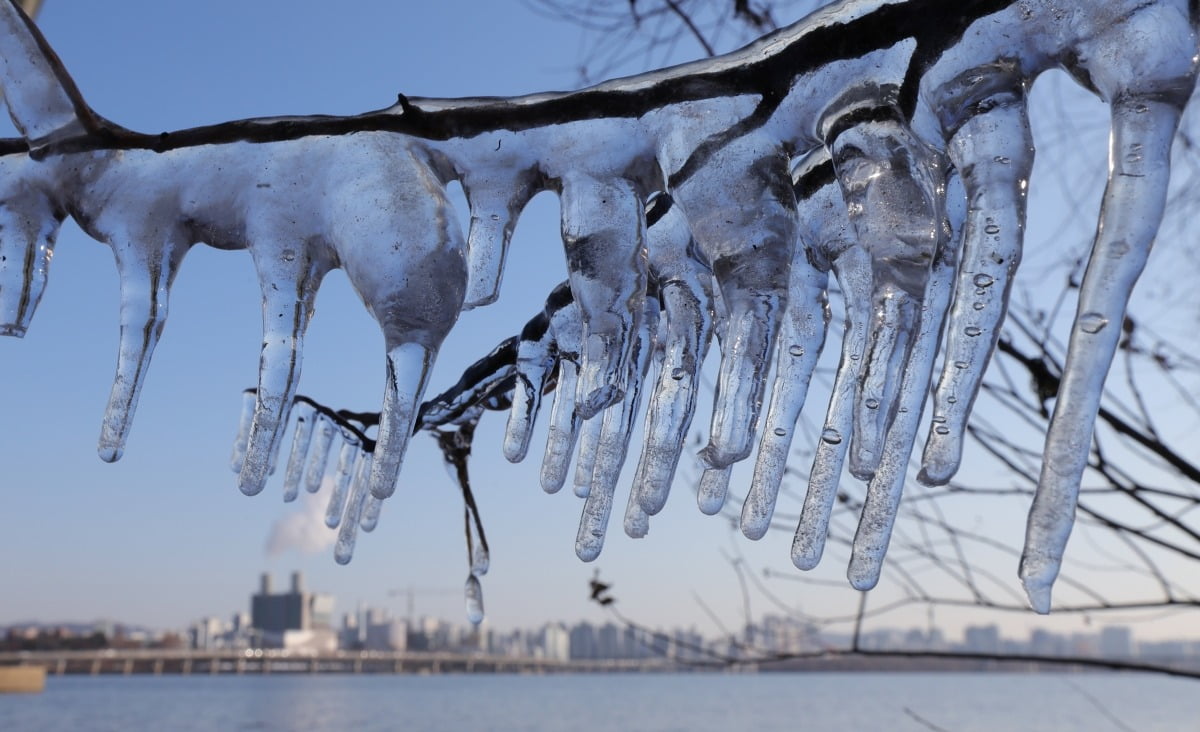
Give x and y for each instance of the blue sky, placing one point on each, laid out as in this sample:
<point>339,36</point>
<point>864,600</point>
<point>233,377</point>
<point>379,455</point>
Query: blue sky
<point>164,537</point>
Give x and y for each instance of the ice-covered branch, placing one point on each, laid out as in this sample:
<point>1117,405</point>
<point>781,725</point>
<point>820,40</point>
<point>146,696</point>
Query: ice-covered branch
<point>898,100</point>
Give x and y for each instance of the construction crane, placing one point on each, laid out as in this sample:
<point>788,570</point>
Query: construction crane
<point>411,593</point>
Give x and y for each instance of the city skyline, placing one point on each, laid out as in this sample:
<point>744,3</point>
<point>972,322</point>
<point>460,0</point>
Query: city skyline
<point>165,529</point>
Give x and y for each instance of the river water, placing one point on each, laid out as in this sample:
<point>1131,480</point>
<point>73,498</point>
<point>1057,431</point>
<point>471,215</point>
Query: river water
<point>584,702</point>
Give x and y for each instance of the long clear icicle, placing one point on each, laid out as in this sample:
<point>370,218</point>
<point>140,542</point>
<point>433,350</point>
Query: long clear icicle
<point>1142,132</point>
<point>884,491</point>
<point>799,346</point>
<point>994,152</point>
<point>685,331</point>
<point>853,269</point>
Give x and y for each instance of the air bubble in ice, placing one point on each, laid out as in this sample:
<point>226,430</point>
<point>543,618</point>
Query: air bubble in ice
<point>1092,322</point>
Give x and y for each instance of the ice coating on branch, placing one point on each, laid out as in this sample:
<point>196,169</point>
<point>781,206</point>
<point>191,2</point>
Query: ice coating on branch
<point>487,378</point>
<point>301,440</point>
<point>367,193</point>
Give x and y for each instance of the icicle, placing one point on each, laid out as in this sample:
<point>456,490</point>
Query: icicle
<point>853,269</point>
<point>243,434</point>
<point>535,362</point>
<point>637,521</point>
<point>407,373</point>
<point>612,445</point>
<point>589,440</point>
<point>1142,132</point>
<point>800,341</point>
<point>29,224</point>
<point>612,437</point>
<point>145,270</point>
<point>343,550</point>
<point>495,197</point>
<point>301,439</point>
<point>877,392</point>
<point>474,599</point>
<point>564,426</point>
<point>370,513</point>
<point>714,486</point>
<point>994,151</point>
<point>603,232</point>
<point>742,213</point>
<point>894,190</point>
<point>342,476</point>
<point>686,291</point>
<point>318,456</point>
<point>883,493</point>
<point>481,560</point>
<point>289,279</point>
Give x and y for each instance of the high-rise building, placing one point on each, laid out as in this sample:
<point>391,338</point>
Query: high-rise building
<point>295,619</point>
<point>1116,641</point>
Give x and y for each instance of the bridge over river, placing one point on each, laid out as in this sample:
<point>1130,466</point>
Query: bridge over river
<point>274,661</point>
